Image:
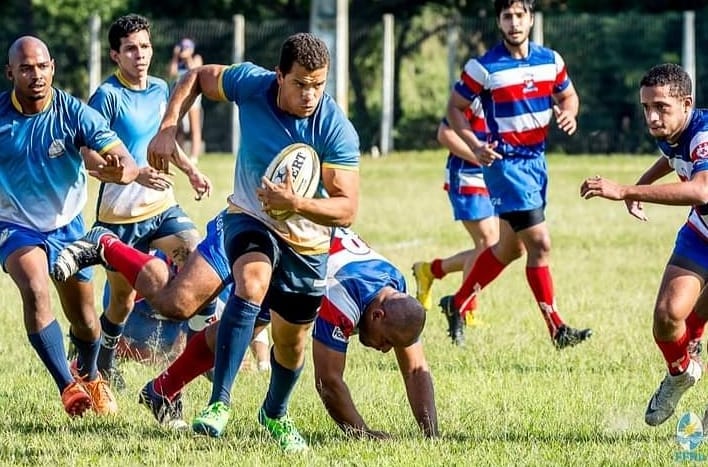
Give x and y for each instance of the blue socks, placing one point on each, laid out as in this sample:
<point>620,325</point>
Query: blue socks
<point>232,339</point>
<point>49,345</point>
<point>282,383</point>
<point>87,352</point>
<point>110,335</point>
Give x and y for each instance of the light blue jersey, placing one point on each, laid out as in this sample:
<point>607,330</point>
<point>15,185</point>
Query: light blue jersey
<point>135,115</point>
<point>266,130</point>
<point>42,173</point>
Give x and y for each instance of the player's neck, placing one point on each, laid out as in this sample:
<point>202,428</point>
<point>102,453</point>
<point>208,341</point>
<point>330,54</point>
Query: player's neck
<point>132,82</point>
<point>518,51</point>
<point>673,139</point>
<point>32,106</point>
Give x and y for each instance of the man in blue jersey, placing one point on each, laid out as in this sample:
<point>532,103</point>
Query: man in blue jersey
<point>522,85</point>
<point>145,213</point>
<point>681,132</point>
<point>42,194</point>
<point>280,261</point>
<point>470,203</point>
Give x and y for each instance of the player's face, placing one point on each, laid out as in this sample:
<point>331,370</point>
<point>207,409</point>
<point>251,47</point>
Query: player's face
<point>134,56</point>
<point>32,72</point>
<point>300,90</point>
<point>375,337</point>
<point>515,24</point>
<point>666,116</point>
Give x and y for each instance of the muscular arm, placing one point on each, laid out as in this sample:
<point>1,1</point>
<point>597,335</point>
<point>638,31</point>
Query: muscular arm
<point>419,387</point>
<point>343,203</point>
<point>329,380</point>
<point>115,166</point>
<point>689,193</point>
<point>451,140</point>
<point>568,101</point>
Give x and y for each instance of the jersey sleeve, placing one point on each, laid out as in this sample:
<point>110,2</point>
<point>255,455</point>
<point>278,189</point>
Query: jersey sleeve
<point>240,80</point>
<point>332,328</point>
<point>342,147</point>
<point>104,103</point>
<point>473,80</point>
<point>562,80</point>
<point>699,152</point>
<point>94,131</point>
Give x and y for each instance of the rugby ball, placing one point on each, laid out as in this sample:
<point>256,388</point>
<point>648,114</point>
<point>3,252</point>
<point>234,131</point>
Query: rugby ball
<point>304,165</point>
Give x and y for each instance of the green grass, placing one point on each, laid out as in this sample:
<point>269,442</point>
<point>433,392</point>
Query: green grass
<point>507,398</point>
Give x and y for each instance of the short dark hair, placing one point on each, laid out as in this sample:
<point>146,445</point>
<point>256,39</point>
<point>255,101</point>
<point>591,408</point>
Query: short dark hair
<point>124,26</point>
<point>671,75</point>
<point>500,5</point>
<point>306,49</point>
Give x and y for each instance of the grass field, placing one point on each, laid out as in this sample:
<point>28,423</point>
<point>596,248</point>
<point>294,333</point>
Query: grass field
<point>506,398</point>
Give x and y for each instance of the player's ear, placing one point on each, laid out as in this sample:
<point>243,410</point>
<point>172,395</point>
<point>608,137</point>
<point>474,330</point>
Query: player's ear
<point>687,103</point>
<point>8,72</point>
<point>279,76</point>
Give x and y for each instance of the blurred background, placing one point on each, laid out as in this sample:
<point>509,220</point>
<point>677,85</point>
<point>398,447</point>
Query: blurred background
<point>607,46</point>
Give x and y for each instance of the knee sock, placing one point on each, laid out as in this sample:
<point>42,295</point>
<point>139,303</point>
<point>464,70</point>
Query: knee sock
<point>123,258</point>
<point>695,324</point>
<point>49,345</point>
<point>87,353</point>
<point>485,269</point>
<point>282,383</point>
<point>541,283</point>
<point>192,362</point>
<point>201,320</point>
<point>110,334</point>
<point>676,354</point>
<point>232,339</point>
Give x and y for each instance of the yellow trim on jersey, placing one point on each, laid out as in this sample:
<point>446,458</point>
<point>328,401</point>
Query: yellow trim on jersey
<point>329,165</point>
<point>109,146</point>
<point>220,83</point>
<point>121,79</point>
<point>16,103</point>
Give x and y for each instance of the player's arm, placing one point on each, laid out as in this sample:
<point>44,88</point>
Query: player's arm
<point>329,381</point>
<point>457,119</point>
<point>567,105</point>
<point>452,141</point>
<point>419,387</point>
<point>339,209</point>
<point>201,80</point>
<point>115,165</point>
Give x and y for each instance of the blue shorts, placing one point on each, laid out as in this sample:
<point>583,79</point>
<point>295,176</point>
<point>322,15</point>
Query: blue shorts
<point>690,252</point>
<point>467,191</point>
<point>517,184</point>
<point>298,281</point>
<point>140,234</point>
<point>14,237</point>
<point>212,249</point>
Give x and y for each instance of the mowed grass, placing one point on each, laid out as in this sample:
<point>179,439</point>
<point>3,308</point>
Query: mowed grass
<point>506,398</point>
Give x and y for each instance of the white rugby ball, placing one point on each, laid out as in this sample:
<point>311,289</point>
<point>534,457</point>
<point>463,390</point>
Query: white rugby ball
<point>304,165</point>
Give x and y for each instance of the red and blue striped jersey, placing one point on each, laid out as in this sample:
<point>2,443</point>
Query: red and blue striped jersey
<point>516,95</point>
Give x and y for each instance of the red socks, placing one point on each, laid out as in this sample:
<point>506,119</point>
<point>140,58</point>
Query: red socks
<point>676,354</point>
<point>541,283</point>
<point>192,362</point>
<point>123,258</point>
<point>436,268</point>
<point>695,325</point>
<point>485,269</point>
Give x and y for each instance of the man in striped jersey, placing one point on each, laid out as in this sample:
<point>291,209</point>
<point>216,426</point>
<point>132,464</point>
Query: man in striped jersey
<point>522,86</point>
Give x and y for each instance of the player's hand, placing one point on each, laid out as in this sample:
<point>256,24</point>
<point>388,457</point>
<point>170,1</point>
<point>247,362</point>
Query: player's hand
<point>200,184</point>
<point>602,187</point>
<point>151,178</point>
<point>486,154</point>
<point>112,171</point>
<point>565,120</point>
<point>277,196</point>
<point>636,209</point>
<point>162,149</point>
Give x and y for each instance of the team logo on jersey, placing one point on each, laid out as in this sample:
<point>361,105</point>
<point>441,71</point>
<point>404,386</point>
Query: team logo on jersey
<point>700,152</point>
<point>56,149</point>
<point>4,235</point>
<point>529,83</point>
<point>338,335</point>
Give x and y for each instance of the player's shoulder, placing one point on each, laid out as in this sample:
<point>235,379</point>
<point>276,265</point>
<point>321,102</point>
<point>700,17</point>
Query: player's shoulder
<point>157,82</point>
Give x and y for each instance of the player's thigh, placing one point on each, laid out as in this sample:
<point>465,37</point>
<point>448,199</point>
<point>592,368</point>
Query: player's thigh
<point>195,285</point>
<point>27,266</point>
<point>288,335</point>
<point>484,232</point>
<point>178,245</point>
<point>509,247</point>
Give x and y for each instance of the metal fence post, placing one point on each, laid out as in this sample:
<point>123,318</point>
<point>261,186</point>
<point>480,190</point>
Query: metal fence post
<point>689,46</point>
<point>239,43</point>
<point>387,97</point>
<point>94,63</point>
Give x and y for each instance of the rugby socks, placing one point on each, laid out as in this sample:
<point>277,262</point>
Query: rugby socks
<point>110,335</point>
<point>485,269</point>
<point>675,354</point>
<point>123,258</point>
<point>695,325</point>
<point>232,339</point>
<point>49,345</point>
<point>195,359</point>
<point>436,268</point>
<point>282,383</point>
<point>87,353</point>
<point>541,283</point>
<point>201,320</point>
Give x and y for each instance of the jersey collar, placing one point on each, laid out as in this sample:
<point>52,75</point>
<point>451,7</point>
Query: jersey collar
<point>16,103</point>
